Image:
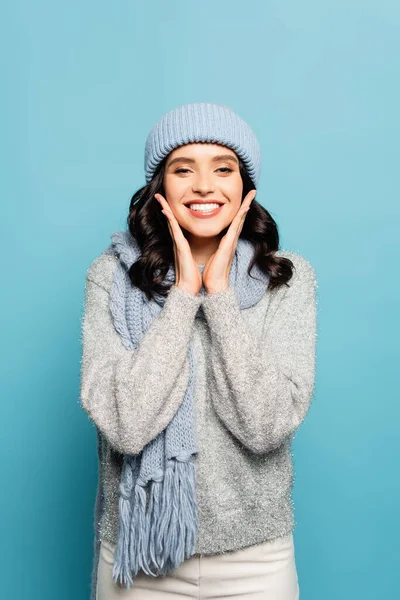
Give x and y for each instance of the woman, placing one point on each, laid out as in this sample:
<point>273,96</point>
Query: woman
<point>197,369</point>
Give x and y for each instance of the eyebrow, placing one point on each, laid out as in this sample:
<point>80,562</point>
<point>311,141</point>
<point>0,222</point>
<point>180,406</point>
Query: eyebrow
<point>214,159</point>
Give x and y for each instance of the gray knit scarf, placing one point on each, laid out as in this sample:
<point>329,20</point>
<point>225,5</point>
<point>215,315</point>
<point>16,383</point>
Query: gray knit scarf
<point>158,513</point>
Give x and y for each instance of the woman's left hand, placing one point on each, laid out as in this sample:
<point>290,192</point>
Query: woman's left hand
<point>217,268</point>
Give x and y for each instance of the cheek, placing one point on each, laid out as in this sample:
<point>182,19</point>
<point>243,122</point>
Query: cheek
<point>174,188</point>
<point>235,200</point>
<point>230,213</point>
<point>232,187</point>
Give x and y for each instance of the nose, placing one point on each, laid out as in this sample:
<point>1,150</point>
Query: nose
<point>203,184</point>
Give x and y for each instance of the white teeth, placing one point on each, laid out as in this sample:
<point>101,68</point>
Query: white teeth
<point>204,207</point>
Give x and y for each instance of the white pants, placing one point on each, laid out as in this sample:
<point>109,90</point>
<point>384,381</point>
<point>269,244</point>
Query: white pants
<point>264,571</point>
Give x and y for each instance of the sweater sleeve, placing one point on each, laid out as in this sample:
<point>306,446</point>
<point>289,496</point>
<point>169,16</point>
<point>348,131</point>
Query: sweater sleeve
<point>262,385</point>
<point>131,395</point>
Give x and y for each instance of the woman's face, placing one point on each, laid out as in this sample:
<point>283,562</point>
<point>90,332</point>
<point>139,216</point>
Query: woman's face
<point>195,173</point>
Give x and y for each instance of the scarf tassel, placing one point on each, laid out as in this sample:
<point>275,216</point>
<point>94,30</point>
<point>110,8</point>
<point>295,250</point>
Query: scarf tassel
<point>189,497</point>
<point>121,570</point>
<point>164,535</point>
<point>178,520</point>
<point>138,530</point>
<point>153,517</point>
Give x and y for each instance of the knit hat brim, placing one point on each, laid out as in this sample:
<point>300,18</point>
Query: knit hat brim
<point>202,122</point>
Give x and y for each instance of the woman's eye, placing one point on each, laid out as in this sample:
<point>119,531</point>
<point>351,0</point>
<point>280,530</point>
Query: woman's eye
<point>224,169</point>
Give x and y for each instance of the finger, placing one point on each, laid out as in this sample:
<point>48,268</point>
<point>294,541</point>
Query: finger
<point>233,233</point>
<point>245,206</point>
<point>177,232</point>
<point>161,200</point>
<point>249,198</point>
<point>181,245</point>
<point>176,262</point>
<point>230,239</point>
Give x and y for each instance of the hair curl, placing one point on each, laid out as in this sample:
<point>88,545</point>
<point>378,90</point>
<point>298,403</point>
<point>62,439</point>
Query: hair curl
<point>150,229</point>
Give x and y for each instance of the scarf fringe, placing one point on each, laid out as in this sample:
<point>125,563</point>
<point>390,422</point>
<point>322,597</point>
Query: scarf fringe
<point>154,512</point>
<point>137,528</point>
<point>164,535</point>
<point>164,516</point>
<point>189,495</point>
<point>178,524</point>
<point>121,570</point>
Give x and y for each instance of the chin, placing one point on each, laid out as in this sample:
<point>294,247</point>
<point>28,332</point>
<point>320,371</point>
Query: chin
<point>206,230</point>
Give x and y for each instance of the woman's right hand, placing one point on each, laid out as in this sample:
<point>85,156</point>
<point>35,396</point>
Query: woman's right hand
<point>188,276</point>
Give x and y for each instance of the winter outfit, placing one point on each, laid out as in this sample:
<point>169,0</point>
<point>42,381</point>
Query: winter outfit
<point>195,399</point>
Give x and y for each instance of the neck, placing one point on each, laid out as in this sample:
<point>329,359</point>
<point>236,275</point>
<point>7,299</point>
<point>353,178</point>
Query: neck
<point>202,248</point>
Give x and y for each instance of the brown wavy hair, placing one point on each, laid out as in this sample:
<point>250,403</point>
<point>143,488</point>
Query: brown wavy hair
<point>150,229</point>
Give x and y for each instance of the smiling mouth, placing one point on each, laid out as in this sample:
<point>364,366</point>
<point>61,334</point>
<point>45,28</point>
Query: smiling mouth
<point>206,212</point>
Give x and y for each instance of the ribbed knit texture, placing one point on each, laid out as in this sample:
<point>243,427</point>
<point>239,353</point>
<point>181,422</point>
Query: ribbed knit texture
<point>202,122</point>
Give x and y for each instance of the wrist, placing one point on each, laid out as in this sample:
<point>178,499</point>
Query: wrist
<point>218,290</point>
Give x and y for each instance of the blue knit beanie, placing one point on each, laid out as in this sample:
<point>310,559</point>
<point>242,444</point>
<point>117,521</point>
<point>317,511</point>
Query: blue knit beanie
<point>202,122</point>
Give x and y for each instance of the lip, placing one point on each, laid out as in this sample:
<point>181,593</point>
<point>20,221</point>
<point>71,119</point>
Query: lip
<point>208,201</point>
<point>200,215</point>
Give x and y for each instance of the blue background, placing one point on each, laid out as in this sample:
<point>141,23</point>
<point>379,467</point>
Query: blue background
<point>82,84</point>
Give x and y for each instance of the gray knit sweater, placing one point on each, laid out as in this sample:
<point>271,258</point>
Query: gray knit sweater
<point>254,383</point>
